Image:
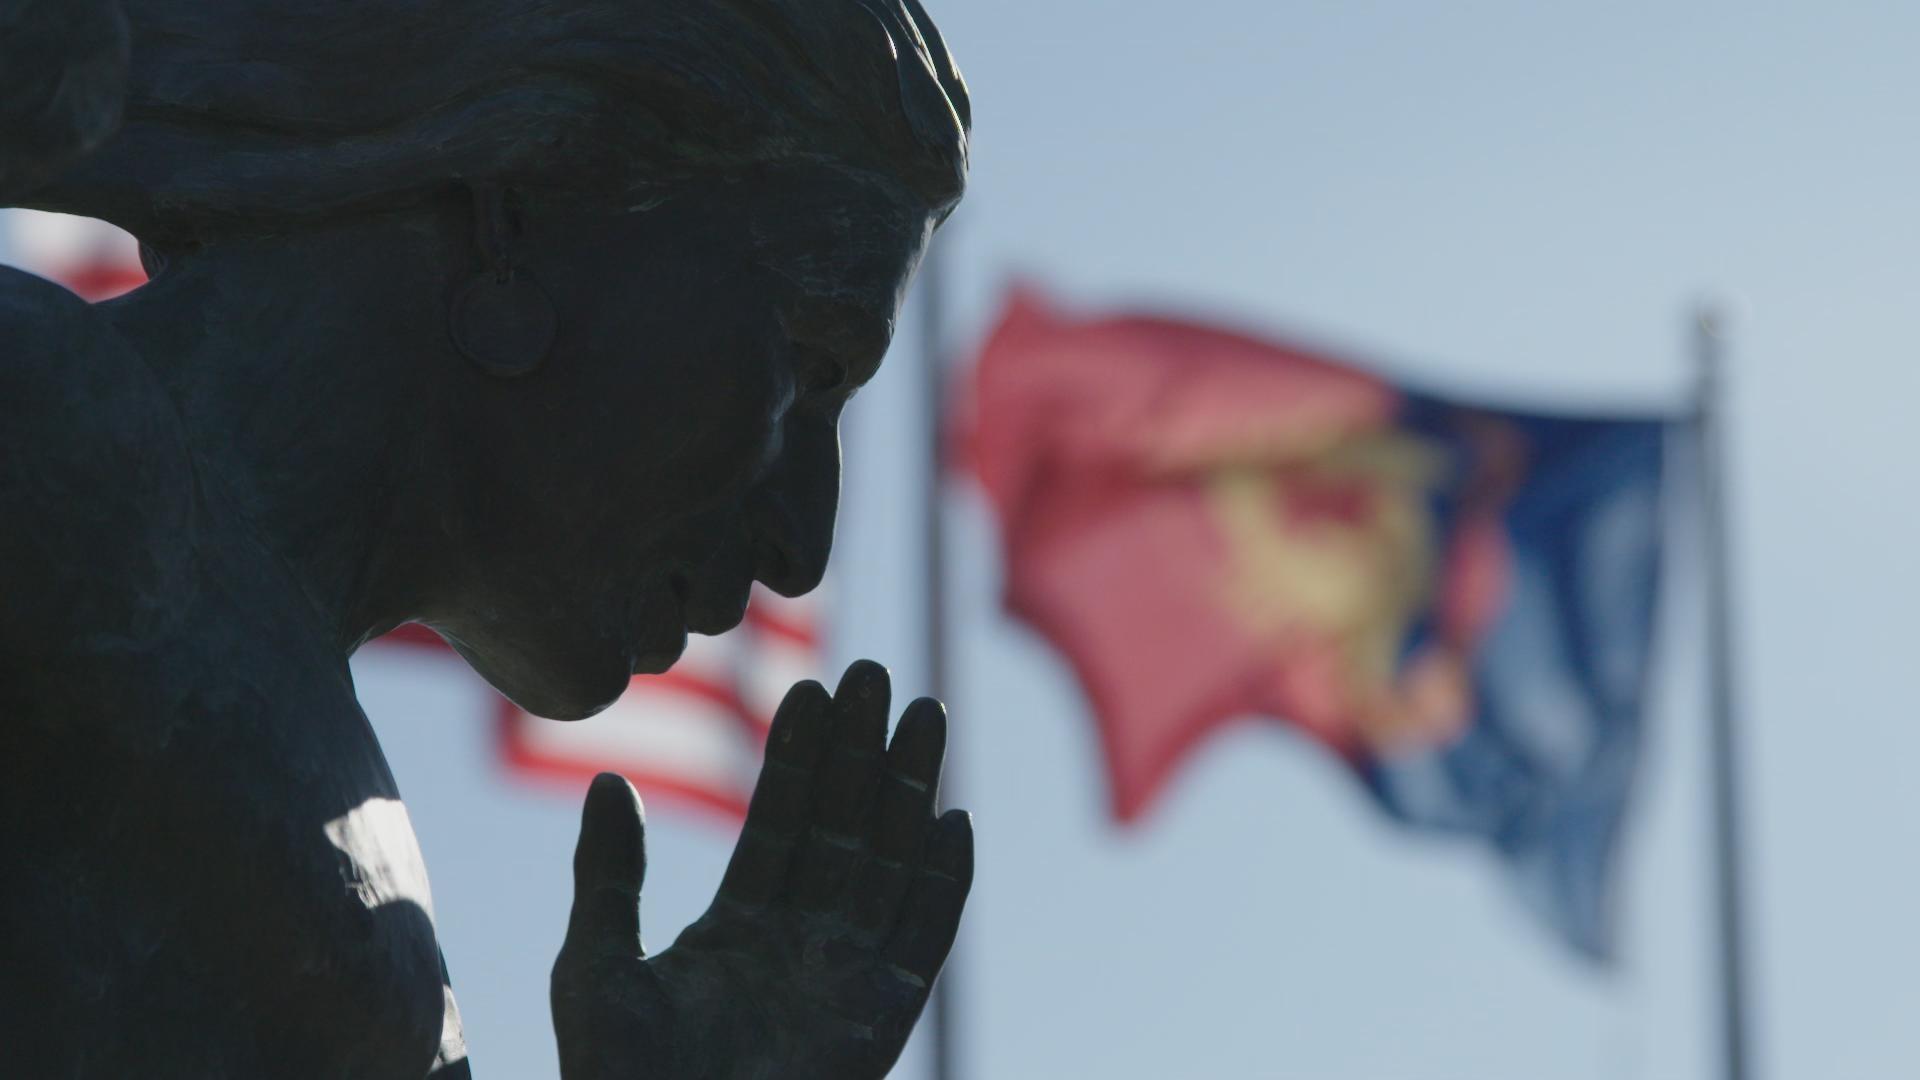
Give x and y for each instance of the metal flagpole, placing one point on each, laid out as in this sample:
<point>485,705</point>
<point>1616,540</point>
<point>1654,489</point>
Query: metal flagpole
<point>934,603</point>
<point>1709,344</point>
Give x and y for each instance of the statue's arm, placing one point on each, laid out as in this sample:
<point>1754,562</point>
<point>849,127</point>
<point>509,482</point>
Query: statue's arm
<point>63,79</point>
<point>451,1062</point>
<point>96,496</point>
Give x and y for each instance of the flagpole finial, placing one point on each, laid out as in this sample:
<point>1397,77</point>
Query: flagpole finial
<point>1716,318</point>
<point>1719,314</point>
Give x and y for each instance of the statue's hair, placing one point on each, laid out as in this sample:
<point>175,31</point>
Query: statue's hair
<point>244,115</point>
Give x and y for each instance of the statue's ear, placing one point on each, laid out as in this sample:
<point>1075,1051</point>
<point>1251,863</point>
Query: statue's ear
<point>501,319</point>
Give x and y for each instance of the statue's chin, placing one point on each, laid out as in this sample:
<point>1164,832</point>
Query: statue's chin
<point>570,684</point>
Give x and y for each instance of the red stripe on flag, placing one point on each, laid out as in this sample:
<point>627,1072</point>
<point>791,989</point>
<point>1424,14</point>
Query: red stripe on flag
<point>416,635</point>
<point>100,281</point>
<point>799,633</point>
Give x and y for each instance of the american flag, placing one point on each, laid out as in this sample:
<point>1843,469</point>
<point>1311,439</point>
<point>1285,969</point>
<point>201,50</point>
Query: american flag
<point>693,735</point>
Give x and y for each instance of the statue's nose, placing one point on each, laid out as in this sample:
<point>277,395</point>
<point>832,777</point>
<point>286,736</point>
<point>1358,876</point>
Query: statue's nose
<point>794,510</point>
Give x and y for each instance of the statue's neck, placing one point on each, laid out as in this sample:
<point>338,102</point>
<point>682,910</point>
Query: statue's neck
<point>304,369</point>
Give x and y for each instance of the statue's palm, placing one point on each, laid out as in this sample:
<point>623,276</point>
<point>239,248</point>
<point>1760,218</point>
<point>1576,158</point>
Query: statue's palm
<point>836,913</point>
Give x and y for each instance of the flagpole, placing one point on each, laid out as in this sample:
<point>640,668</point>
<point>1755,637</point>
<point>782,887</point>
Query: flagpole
<point>934,603</point>
<point>1709,344</point>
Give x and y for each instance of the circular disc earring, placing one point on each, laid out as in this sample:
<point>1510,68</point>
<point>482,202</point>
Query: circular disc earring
<point>501,319</point>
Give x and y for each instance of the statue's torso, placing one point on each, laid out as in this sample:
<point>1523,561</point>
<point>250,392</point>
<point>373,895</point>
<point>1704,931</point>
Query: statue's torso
<point>206,868</point>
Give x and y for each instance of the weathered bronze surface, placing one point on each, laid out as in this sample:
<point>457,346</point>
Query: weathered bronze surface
<point>530,320</point>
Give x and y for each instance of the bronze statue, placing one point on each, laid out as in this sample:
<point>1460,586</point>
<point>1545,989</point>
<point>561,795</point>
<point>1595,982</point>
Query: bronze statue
<point>530,320</point>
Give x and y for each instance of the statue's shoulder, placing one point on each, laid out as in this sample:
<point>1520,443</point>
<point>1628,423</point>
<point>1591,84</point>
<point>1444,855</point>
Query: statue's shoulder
<point>96,487</point>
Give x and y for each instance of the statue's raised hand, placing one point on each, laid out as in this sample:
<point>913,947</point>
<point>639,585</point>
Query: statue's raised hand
<point>835,915</point>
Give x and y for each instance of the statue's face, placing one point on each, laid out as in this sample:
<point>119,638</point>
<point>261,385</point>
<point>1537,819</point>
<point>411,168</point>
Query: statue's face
<point>681,439</point>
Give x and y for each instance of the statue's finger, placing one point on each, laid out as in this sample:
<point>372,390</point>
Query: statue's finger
<point>910,781</point>
<point>781,808</point>
<point>844,786</point>
<point>609,867</point>
<point>903,815</point>
<point>930,916</point>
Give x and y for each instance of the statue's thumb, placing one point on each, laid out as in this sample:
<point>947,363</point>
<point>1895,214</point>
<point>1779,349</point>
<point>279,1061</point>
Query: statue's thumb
<point>609,866</point>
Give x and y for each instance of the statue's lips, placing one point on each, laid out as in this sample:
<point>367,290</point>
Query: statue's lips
<point>713,602</point>
<point>686,606</point>
<point>656,659</point>
<point>656,628</point>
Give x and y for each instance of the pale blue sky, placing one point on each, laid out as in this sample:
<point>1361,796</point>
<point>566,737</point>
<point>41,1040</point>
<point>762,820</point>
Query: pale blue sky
<point>1521,197</point>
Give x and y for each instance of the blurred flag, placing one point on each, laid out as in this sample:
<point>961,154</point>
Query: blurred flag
<point>693,735</point>
<point>1456,600</point>
<point>93,258</point>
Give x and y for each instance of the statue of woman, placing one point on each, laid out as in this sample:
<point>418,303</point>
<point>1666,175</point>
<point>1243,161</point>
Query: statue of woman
<point>529,320</point>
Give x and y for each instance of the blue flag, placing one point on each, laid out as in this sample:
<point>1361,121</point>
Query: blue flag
<point>1544,769</point>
